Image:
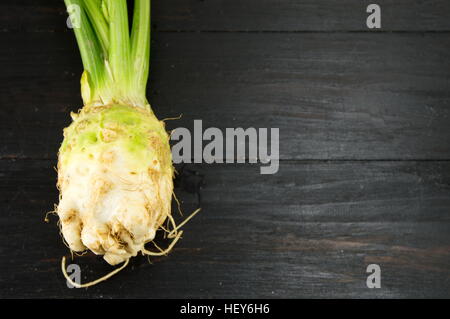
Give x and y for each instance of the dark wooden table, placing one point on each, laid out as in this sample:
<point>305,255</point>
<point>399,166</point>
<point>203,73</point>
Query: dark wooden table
<point>364,120</point>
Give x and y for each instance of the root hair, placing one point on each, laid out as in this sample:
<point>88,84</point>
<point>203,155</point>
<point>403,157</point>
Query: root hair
<point>94,282</point>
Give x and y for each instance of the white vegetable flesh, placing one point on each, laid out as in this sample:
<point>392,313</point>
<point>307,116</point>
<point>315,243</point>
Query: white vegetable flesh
<point>115,179</point>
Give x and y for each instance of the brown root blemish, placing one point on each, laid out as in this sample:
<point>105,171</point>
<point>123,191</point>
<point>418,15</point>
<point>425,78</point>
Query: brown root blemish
<point>108,135</point>
<point>71,216</point>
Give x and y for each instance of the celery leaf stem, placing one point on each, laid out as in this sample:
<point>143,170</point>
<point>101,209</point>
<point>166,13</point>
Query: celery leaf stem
<point>90,49</point>
<point>140,45</point>
<point>94,11</point>
<point>119,46</point>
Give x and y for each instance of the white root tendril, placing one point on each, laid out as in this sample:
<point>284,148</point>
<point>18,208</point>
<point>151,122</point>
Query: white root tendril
<point>91,283</point>
<point>166,251</point>
<point>173,233</point>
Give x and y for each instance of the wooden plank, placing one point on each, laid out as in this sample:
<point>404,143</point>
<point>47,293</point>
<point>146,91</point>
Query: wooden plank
<point>294,15</point>
<point>32,16</point>
<point>248,15</point>
<point>333,96</point>
<point>308,231</point>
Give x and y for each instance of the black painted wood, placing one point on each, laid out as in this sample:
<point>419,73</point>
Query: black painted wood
<point>294,15</point>
<point>249,15</point>
<point>333,96</point>
<point>309,231</point>
<point>364,124</point>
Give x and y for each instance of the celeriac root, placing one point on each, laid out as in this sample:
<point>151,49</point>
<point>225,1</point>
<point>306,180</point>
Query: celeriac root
<point>115,176</point>
<point>115,172</point>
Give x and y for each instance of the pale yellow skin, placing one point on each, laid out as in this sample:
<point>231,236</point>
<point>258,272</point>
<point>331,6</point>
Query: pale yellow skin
<point>115,177</point>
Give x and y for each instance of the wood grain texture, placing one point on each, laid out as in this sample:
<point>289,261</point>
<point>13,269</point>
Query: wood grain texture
<point>333,96</point>
<point>294,15</point>
<point>249,15</point>
<point>365,170</point>
<point>309,231</point>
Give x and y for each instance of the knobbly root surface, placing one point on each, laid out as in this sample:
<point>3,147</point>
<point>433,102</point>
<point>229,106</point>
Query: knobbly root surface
<point>115,180</point>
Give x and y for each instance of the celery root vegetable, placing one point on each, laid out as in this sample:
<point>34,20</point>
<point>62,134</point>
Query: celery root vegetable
<point>114,166</point>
